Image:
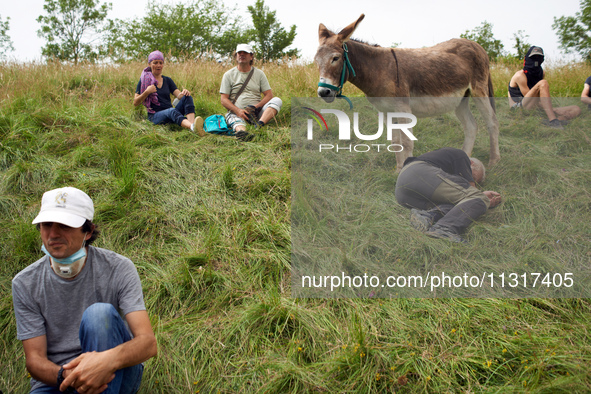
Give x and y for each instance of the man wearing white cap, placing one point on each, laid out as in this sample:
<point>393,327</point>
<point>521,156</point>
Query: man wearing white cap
<point>69,306</point>
<point>248,107</point>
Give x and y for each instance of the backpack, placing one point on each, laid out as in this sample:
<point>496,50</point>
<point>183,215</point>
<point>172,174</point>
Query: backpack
<point>216,124</point>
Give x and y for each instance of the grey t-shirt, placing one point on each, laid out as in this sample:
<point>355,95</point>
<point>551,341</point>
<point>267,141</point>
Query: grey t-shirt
<point>233,80</point>
<point>46,304</point>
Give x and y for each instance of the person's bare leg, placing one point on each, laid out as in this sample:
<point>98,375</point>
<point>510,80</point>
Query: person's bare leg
<point>567,113</point>
<point>186,124</point>
<point>540,95</point>
<point>268,115</point>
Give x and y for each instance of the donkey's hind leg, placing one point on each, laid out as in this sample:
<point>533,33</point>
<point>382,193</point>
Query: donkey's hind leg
<point>469,124</point>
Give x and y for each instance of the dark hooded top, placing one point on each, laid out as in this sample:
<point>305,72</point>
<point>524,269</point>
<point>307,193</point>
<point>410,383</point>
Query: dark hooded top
<point>532,67</point>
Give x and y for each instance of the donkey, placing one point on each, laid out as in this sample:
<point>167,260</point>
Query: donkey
<point>454,70</point>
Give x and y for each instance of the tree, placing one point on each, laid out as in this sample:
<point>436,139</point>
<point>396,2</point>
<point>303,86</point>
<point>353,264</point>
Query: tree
<point>70,28</point>
<point>270,38</point>
<point>484,36</point>
<point>573,31</point>
<point>180,31</point>
<point>5,42</point>
<point>521,45</point>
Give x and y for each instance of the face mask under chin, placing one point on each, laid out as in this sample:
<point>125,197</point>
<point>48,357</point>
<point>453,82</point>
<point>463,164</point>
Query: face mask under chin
<point>70,266</point>
<point>70,270</point>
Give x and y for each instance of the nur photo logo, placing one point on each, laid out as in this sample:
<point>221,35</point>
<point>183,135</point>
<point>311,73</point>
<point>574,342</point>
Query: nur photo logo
<point>387,123</point>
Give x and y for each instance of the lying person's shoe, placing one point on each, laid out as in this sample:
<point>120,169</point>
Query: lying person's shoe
<point>445,233</point>
<point>420,220</point>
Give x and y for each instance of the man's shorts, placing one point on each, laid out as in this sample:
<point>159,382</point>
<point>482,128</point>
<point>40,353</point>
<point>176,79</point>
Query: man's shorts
<point>234,120</point>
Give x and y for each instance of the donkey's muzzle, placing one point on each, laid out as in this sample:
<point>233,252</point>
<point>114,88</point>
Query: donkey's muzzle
<point>327,94</point>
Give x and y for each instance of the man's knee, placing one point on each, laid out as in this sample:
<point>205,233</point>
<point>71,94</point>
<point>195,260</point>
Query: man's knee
<point>276,103</point>
<point>98,316</point>
<point>102,328</point>
<point>573,111</point>
<point>101,309</point>
<point>577,111</point>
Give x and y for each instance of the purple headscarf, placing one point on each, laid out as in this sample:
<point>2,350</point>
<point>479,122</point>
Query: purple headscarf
<point>156,55</point>
<point>147,79</point>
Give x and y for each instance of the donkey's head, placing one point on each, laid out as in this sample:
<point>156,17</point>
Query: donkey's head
<point>331,60</point>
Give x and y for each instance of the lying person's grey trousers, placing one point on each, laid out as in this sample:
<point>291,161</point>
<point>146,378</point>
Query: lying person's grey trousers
<point>449,199</point>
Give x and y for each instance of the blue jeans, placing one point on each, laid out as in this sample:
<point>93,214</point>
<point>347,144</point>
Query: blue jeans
<point>174,114</point>
<point>101,329</point>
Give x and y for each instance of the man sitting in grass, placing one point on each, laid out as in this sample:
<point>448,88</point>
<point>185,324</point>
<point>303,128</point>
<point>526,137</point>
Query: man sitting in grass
<point>529,90</point>
<point>248,107</point>
<point>439,187</point>
<point>75,307</point>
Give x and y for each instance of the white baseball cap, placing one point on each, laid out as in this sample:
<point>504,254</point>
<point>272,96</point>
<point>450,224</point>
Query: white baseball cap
<point>244,48</point>
<point>68,205</point>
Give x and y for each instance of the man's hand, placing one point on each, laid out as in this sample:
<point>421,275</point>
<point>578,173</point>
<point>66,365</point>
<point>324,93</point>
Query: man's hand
<point>243,114</point>
<point>494,197</point>
<point>88,373</point>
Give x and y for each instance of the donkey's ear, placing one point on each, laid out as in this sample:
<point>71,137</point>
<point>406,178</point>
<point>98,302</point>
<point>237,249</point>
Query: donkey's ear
<point>347,32</point>
<point>324,33</point>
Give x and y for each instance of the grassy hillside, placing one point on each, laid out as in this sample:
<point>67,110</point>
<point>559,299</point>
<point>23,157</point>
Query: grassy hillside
<point>207,223</point>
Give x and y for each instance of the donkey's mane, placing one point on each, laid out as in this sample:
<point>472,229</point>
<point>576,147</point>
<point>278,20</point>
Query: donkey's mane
<point>365,43</point>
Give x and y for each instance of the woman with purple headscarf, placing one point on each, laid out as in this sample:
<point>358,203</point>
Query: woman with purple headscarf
<point>154,90</point>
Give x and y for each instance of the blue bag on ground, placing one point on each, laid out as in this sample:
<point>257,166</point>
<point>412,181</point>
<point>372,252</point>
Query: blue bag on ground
<point>216,124</point>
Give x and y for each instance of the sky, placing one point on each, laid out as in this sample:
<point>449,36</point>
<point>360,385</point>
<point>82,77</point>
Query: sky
<point>411,24</point>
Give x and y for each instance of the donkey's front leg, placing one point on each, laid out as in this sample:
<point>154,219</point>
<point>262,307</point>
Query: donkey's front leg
<point>403,144</point>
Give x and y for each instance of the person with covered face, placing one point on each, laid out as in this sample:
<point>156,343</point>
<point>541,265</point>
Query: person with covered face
<point>79,309</point>
<point>528,89</point>
<point>153,91</point>
<point>440,189</point>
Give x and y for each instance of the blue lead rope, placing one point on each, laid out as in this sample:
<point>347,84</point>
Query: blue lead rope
<point>346,66</point>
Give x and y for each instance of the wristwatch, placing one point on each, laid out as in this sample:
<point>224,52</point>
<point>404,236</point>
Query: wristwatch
<point>60,380</point>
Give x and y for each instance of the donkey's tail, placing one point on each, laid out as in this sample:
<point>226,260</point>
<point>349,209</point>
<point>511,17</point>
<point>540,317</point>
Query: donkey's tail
<point>491,94</point>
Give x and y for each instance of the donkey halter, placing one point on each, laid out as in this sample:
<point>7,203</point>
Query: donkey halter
<point>347,67</point>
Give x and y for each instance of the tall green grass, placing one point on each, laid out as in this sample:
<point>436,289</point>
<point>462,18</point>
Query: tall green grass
<point>207,223</point>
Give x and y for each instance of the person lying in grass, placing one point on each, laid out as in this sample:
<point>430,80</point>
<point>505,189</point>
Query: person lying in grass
<point>153,91</point>
<point>440,188</point>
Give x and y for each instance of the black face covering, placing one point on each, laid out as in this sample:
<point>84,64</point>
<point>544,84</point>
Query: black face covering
<point>532,66</point>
